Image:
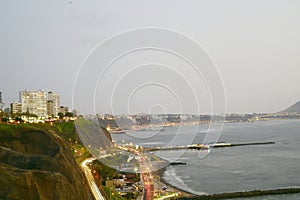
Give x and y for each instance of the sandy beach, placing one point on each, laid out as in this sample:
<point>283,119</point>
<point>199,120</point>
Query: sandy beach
<point>162,183</point>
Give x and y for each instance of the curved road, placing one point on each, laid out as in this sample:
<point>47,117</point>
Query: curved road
<point>88,174</point>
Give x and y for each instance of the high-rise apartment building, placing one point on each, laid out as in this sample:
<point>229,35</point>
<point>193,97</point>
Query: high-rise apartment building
<point>50,112</point>
<point>34,102</point>
<point>53,104</point>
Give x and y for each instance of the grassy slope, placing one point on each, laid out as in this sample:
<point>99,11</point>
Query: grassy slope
<point>36,163</point>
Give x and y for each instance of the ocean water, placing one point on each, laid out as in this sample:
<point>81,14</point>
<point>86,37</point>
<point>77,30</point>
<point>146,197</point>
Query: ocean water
<point>231,169</point>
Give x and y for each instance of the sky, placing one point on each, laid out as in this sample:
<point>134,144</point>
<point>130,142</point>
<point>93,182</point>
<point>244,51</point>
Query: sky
<point>254,46</point>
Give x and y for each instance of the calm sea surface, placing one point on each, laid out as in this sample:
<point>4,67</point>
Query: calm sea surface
<point>230,169</point>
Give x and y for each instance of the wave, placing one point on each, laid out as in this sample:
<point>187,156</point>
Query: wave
<point>173,179</point>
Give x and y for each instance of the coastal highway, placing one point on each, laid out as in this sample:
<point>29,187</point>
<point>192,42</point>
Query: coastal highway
<point>94,188</point>
<point>145,170</point>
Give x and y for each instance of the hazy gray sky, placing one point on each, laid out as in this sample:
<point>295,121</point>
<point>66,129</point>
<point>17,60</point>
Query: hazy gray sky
<point>254,43</point>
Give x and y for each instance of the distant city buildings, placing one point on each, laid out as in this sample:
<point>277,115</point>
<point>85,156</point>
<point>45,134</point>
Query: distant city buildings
<point>1,102</point>
<point>39,103</point>
<point>16,107</point>
<point>63,109</point>
<point>35,106</point>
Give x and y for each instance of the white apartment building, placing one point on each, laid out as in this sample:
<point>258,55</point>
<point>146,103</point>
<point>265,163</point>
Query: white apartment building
<point>34,102</point>
<point>53,102</point>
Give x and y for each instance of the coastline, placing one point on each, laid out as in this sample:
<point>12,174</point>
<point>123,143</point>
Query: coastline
<point>245,194</point>
<point>226,195</point>
<point>121,131</point>
<point>168,181</point>
<point>184,193</point>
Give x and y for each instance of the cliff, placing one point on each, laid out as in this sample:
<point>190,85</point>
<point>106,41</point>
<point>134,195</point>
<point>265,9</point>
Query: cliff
<point>36,163</point>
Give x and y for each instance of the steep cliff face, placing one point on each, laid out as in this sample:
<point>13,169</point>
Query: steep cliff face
<point>35,163</point>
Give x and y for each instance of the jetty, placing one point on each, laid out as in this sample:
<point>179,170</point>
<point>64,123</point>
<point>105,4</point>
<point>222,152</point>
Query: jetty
<point>206,146</point>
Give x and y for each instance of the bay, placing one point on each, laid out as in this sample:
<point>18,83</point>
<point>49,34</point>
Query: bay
<point>232,169</point>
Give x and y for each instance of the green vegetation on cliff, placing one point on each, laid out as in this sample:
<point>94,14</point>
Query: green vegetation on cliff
<point>67,130</point>
<point>36,163</point>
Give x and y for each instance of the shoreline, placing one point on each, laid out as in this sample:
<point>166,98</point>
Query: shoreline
<point>193,194</point>
<point>184,193</point>
<point>121,131</point>
<point>246,194</point>
<point>226,195</point>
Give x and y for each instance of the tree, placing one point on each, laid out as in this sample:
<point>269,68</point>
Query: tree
<point>4,119</point>
<point>69,114</point>
<point>60,115</point>
<point>19,119</point>
<point>4,114</point>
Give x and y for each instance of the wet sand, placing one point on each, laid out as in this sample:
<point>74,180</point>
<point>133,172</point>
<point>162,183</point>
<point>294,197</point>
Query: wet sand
<point>170,187</point>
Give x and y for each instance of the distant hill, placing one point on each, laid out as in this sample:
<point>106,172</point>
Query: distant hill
<point>295,108</point>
